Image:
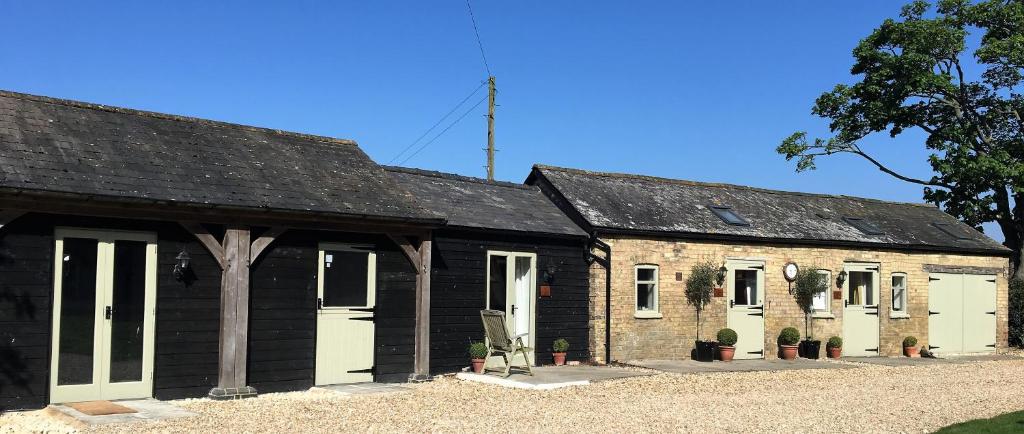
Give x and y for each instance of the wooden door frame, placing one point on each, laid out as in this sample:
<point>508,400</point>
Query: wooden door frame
<point>509,281</point>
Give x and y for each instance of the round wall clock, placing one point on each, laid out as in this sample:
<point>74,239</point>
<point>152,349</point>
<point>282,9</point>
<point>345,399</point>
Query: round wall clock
<point>789,271</point>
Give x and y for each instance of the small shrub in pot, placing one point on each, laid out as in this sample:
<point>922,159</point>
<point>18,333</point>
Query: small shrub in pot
<point>788,340</point>
<point>558,349</point>
<point>910,347</point>
<point>726,344</point>
<point>477,355</point>
<point>834,347</point>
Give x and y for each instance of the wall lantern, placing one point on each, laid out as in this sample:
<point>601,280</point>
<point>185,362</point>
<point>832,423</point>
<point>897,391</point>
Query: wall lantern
<point>840,279</point>
<point>548,278</point>
<point>183,265</point>
<point>722,271</point>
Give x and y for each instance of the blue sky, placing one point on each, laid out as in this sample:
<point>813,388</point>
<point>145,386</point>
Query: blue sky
<point>701,91</point>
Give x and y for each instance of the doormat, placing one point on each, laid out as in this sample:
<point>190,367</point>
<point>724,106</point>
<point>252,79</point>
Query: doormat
<point>99,408</point>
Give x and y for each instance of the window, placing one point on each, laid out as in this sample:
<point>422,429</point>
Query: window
<point>728,215</point>
<point>861,292</point>
<point>865,226</point>
<point>950,230</point>
<point>745,288</point>
<point>646,289</point>
<point>821,301</point>
<point>899,295</point>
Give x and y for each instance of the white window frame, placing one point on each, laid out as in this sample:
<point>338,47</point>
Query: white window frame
<point>905,312</point>
<point>827,311</point>
<point>646,313</point>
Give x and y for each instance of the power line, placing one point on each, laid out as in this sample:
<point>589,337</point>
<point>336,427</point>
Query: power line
<point>424,146</point>
<point>482,83</point>
<point>478,43</point>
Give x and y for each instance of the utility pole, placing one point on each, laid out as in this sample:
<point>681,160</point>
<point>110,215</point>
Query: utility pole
<point>490,128</point>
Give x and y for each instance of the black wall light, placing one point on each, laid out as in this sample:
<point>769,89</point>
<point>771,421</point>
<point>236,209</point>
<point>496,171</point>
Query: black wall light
<point>182,266</point>
<point>840,279</point>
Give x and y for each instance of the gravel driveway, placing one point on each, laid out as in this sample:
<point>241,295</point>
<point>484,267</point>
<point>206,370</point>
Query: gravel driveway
<point>867,399</point>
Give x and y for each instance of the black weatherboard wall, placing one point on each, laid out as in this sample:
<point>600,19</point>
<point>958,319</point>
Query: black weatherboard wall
<point>185,363</point>
<point>282,336</point>
<point>458,286</point>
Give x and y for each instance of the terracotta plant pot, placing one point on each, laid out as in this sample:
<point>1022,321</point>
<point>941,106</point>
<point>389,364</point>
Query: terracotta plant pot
<point>835,352</point>
<point>559,358</point>
<point>726,353</point>
<point>788,352</point>
<point>478,365</point>
<point>911,352</point>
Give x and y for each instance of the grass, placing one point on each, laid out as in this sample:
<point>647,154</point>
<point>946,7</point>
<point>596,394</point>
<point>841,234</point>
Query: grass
<point>1009,422</point>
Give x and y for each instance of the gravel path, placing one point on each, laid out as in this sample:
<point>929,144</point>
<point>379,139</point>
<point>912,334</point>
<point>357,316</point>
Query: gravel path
<point>868,399</point>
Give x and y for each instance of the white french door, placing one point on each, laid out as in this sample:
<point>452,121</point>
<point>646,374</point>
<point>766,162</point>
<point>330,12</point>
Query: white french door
<point>860,310</point>
<point>346,300</point>
<point>104,307</point>
<point>511,288</point>
<point>746,307</point>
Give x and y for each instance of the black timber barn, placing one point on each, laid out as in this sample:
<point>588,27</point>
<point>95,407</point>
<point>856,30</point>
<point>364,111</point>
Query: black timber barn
<point>506,247</point>
<point>151,255</point>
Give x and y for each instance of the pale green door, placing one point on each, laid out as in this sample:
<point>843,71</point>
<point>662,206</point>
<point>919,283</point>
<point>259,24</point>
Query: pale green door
<point>962,313</point>
<point>860,310</point>
<point>746,307</point>
<point>103,315</point>
<point>345,314</point>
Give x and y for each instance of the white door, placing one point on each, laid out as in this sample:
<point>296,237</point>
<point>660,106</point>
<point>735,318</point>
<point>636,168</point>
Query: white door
<point>511,288</point>
<point>103,315</point>
<point>745,285</point>
<point>346,292</point>
<point>860,310</point>
<point>961,313</point>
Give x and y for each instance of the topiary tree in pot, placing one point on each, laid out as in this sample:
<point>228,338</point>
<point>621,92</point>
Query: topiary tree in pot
<point>699,287</point>
<point>788,339</point>
<point>726,340</point>
<point>807,285</point>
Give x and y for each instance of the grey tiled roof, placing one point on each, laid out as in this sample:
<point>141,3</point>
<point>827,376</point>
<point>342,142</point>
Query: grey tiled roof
<point>478,203</point>
<point>644,204</point>
<point>53,145</point>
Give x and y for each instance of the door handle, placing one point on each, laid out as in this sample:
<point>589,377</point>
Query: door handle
<point>513,309</point>
<point>732,303</point>
<point>319,303</point>
<point>108,312</point>
<point>846,303</point>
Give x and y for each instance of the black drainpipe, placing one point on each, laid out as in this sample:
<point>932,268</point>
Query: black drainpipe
<point>605,262</point>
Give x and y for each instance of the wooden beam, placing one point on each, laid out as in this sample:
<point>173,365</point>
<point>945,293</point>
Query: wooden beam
<point>9,215</point>
<point>410,252</point>
<point>208,240</point>
<point>421,361</point>
<point>234,318</point>
<point>264,241</point>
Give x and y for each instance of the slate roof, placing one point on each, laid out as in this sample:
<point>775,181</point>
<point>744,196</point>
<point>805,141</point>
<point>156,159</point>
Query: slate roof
<point>480,204</point>
<point>54,145</point>
<point>649,205</point>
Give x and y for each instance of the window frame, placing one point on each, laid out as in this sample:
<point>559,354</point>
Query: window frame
<point>645,313</point>
<point>865,226</point>
<point>827,312</point>
<point>905,312</point>
<point>721,211</point>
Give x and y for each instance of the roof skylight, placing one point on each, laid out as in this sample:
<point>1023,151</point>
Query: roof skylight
<point>728,215</point>
<point>948,229</point>
<point>865,226</point>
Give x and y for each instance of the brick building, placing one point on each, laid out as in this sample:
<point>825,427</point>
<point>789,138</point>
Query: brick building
<point>894,269</point>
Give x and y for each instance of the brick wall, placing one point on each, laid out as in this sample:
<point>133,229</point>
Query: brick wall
<point>672,335</point>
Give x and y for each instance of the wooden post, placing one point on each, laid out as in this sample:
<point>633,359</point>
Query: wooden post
<point>421,364</point>
<point>490,128</point>
<point>233,255</point>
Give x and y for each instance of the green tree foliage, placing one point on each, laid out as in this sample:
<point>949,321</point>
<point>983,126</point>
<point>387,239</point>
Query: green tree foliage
<point>1017,313</point>
<point>699,287</point>
<point>953,70</point>
<point>808,284</point>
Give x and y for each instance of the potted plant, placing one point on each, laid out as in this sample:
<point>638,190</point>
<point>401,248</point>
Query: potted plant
<point>726,339</point>
<point>788,340</point>
<point>910,347</point>
<point>835,347</point>
<point>477,356</point>
<point>699,287</point>
<point>558,349</point>
<point>807,285</point>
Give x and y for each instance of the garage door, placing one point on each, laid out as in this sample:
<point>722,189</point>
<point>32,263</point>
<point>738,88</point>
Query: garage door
<point>961,313</point>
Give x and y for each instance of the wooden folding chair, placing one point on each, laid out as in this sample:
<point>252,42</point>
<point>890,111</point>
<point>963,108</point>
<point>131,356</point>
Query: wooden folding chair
<point>499,342</point>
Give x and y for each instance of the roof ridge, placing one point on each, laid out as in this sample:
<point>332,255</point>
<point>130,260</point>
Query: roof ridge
<point>721,185</point>
<point>172,117</point>
<point>455,176</point>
